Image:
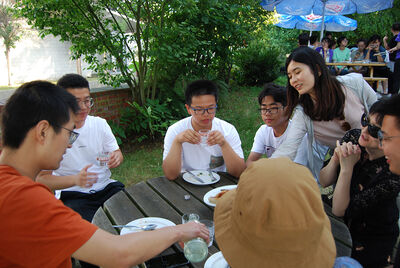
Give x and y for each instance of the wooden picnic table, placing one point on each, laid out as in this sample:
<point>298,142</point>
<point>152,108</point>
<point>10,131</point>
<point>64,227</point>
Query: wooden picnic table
<point>159,197</point>
<point>370,65</point>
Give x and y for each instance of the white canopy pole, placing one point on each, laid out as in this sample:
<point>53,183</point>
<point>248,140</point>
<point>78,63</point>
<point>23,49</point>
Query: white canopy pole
<point>323,20</point>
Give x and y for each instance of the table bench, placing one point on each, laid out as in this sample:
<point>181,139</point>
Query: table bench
<point>159,197</point>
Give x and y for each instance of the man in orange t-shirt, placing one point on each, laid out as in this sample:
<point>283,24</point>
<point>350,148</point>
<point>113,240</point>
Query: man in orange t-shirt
<point>36,229</point>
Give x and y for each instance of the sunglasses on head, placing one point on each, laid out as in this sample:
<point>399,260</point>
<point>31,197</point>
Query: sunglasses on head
<point>372,130</point>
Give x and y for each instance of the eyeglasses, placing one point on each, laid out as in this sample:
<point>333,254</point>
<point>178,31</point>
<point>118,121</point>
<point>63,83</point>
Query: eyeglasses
<point>372,130</point>
<point>87,102</point>
<point>201,111</point>
<point>272,110</point>
<point>72,135</point>
<point>383,138</point>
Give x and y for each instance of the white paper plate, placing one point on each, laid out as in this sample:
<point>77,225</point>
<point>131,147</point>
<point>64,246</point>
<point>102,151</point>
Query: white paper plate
<point>144,221</point>
<point>214,192</point>
<point>202,174</point>
<point>216,260</point>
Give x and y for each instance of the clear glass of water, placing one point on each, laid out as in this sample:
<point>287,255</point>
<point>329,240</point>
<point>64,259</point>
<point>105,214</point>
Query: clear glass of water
<point>189,217</point>
<point>210,226</point>
<point>195,250</point>
<point>103,158</point>
<point>204,136</point>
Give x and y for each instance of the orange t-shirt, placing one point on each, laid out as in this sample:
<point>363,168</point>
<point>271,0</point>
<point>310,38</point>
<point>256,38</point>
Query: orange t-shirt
<point>36,229</point>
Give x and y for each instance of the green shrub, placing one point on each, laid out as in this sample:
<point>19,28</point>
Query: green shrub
<point>257,64</point>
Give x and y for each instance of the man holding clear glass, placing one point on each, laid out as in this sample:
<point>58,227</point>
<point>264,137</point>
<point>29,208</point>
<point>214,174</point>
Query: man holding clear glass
<point>183,149</point>
<point>82,183</point>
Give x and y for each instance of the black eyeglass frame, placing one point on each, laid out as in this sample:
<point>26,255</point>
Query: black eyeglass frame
<point>72,135</point>
<point>197,111</point>
<point>372,130</point>
<point>269,110</point>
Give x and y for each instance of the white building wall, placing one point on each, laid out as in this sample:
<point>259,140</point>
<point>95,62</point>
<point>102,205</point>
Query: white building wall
<point>36,58</point>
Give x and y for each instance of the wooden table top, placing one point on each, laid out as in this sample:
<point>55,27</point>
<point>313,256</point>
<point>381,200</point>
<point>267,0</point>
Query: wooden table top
<point>357,63</point>
<point>159,197</point>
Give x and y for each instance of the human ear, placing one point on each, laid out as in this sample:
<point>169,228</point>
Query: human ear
<point>41,131</point>
<point>188,109</point>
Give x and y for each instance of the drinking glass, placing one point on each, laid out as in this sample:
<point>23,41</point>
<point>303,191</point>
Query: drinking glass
<point>195,250</point>
<point>210,226</point>
<point>103,158</point>
<point>190,217</point>
<point>204,136</point>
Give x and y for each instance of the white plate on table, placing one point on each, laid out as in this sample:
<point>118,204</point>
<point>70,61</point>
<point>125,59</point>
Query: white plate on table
<point>161,222</point>
<point>202,174</point>
<point>215,191</point>
<point>216,260</point>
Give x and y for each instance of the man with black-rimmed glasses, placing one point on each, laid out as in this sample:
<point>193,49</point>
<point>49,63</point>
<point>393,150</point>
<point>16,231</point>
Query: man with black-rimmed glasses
<point>272,101</point>
<point>183,149</point>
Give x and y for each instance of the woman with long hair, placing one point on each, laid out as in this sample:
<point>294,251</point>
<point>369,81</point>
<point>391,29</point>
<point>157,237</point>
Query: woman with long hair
<point>323,106</point>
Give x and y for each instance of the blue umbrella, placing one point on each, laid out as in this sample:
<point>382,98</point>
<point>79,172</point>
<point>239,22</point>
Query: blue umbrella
<point>313,22</point>
<point>322,7</point>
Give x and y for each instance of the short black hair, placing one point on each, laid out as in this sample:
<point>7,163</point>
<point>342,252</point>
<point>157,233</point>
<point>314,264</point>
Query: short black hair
<point>275,91</point>
<point>200,87</point>
<point>391,107</point>
<point>303,39</point>
<point>73,81</point>
<point>313,39</point>
<point>373,38</point>
<point>396,26</point>
<point>326,39</point>
<point>340,40</point>
<point>327,34</point>
<point>376,109</point>
<point>32,102</point>
<point>361,40</point>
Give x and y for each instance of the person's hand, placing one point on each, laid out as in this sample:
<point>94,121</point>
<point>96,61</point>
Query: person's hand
<point>385,38</point>
<point>190,136</point>
<point>192,230</point>
<point>392,50</point>
<point>216,137</point>
<point>84,178</point>
<point>115,160</point>
<point>348,154</point>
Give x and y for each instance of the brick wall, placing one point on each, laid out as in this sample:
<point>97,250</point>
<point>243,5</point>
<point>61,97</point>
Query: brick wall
<point>108,103</point>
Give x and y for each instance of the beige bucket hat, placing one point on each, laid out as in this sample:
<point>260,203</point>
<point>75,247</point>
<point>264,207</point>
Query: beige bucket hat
<point>274,218</point>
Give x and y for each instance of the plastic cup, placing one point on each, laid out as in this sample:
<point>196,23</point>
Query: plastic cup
<point>189,217</point>
<point>210,226</point>
<point>103,158</point>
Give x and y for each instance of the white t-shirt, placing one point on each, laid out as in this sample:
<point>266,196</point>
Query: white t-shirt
<point>266,143</point>
<point>198,156</point>
<point>94,137</point>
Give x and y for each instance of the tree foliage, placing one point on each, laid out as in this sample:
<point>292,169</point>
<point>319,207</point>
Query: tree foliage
<point>149,41</point>
<point>10,31</point>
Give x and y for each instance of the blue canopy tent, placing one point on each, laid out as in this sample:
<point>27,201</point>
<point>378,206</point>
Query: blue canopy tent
<point>313,22</point>
<point>325,7</point>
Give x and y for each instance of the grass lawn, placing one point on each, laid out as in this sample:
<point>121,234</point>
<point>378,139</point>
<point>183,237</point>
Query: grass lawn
<point>238,107</point>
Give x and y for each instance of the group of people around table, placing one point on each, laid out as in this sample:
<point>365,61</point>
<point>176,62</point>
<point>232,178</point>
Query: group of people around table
<point>50,142</point>
<point>374,49</point>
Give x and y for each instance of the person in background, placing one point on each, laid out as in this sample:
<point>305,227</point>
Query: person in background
<point>314,43</point>
<point>37,230</point>
<point>303,39</point>
<point>376,53</point>
<point>328,35</point>
<point>365,191</point>
<point>394,50</point>
<point>341,54</point>
<point>325,107</point>
<point>359,54</point>
<point>81,182</point>
<point>274,218</point>
<point>272,101</point>
<point>182,148</point>
<point>389,140</point>
<point>325,51</point>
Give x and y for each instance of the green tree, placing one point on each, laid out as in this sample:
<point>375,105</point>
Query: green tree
<point>10,31</point>
<point>148,40</point>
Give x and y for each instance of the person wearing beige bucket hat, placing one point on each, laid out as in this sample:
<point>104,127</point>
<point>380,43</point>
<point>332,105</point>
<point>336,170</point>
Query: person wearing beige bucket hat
<point>274,218</point>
